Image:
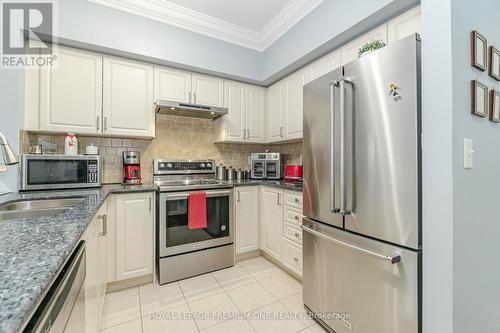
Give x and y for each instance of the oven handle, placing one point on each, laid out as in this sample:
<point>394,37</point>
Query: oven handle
<point>210,194</point>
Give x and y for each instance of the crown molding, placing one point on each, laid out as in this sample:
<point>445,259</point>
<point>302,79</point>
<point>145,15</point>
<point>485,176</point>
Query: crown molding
<point>181,17</point>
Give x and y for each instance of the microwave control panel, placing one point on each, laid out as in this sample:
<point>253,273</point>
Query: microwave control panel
<point>93,172</point>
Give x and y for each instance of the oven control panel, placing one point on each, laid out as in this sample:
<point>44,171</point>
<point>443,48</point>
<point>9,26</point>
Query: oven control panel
<point>175,166</point>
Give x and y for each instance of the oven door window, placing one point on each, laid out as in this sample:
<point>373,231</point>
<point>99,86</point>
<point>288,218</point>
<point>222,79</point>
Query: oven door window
<point>177,231</point>
<point>41,172</point>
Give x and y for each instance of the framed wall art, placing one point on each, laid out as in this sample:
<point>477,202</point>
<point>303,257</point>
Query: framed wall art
<point>479,54</point>
<point>479,94</point>
<point>495,106</point>
<point>494,63</point>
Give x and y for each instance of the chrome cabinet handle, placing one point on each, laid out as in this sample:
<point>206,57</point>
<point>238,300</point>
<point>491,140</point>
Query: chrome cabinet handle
<point>296,235</point>
<point>238,199</point>
<point>105,123</point>
<point>104,225</point>
<point>150,204</point>
<point>333,85</point>
<point>244,134</point>
<point>281,131</point>
<point>98,123</point>
<point>296,218</point>
<point>190,97</point>
<point>297,200</point>
<point>343,146</point>
<point>248,134</point>
<point>389,259</point>
<point>279,199</point>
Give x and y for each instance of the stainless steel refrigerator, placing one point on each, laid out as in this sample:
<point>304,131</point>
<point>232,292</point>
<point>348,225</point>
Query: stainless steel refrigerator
<point>362,193</point>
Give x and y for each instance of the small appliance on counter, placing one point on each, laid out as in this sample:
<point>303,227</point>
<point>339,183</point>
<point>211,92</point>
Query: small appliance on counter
<point>70,144</point>
<point>44,172</point>
<point>265,166</point>
<point>293,173</point>
<point>131,168</point>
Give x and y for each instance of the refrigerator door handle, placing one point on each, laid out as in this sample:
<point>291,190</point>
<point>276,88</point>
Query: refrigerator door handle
<point>388,259</point>
<point>343,144</point>
<point>333,85</point>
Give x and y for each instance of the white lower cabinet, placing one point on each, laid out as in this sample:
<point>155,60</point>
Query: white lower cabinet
<point>271,220</point>
<point>95,265</point>
<point>134,235</point>
<point>247,218</point>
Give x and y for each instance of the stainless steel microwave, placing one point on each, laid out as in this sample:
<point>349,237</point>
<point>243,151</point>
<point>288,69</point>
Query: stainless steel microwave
<point>43,172</point>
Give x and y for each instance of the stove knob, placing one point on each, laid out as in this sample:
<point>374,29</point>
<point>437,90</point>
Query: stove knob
<point>209,165</point>
<point>169,165</point>
<point>202,165</point>
<point>162,166</point>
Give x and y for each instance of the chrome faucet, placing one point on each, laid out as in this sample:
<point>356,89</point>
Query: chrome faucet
<point>9,157</point>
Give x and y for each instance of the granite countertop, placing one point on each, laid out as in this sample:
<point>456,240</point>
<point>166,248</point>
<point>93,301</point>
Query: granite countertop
<point>33,250</point>
<point>292,186</point>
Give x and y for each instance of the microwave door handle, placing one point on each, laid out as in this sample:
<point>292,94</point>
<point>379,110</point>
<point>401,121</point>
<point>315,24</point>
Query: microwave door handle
<point>333,85</point>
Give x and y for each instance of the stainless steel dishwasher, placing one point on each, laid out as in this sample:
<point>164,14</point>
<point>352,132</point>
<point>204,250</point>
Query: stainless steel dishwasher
<point>55,310</point>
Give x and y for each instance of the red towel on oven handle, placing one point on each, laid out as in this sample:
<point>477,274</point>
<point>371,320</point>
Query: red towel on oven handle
<point>197,210</point>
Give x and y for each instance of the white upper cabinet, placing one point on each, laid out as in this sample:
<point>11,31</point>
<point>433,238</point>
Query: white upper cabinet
<point>172,84</point>
<point>324,65</point>
<point>404,25</point>
<point>128,108</point>
<point>70,94</point>
<point>256,101</point>
<point>245,119</point>
<point>294,104</point>
<point>235,101</point>
<point>349,52</point>
<point>207,90</point>
<point>275,110</point>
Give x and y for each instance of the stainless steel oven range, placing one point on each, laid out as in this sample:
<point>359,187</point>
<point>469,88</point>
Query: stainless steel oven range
<point>182,252</point>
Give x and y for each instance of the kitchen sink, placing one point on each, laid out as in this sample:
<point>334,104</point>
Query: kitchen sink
<point>37,208</point>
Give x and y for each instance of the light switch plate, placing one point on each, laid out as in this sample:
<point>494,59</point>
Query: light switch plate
<point>468,154</point>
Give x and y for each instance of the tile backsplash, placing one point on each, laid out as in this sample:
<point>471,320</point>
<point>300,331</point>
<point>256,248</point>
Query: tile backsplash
<point>176,138</point>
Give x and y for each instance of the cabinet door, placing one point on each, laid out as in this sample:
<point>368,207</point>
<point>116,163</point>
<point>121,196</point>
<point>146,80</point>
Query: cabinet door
<point>255,114</point>
<point>247,218</point>
<point>294,105</point>
<point>134,235</point>
<point>404,25</point>
<point>234,100</point>
<point>172,84</point>
<point>71,93</point>
<point>350,51</point>
<point>128,98</point>
<point>324,65</point>
<point>95,278</point>
<point>207,90</point>
<point>274,112</point>
<point>271,220</point>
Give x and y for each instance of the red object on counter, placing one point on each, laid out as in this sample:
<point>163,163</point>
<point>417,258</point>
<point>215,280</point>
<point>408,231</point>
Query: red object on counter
<point>293,172</point>
<point>197,210</point>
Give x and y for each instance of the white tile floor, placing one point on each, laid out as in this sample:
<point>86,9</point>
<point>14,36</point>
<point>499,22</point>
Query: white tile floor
<point>245,298</point>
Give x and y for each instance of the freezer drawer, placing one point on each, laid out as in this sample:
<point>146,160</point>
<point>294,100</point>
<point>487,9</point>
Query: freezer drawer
<point>358,284</point>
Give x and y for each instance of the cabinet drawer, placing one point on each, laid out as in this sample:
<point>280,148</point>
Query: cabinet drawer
<point>293,216</point>
<point>294,199</point>
<point>292,256</point>
<point>292,232</point>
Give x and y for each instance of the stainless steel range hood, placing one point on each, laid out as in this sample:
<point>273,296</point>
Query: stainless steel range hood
<point>165,106</point>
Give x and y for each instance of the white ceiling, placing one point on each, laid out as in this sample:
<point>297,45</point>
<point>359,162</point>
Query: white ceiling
<point>250,14</point>
<point>254,24</point>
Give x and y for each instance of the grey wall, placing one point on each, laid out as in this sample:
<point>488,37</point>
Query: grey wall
<point>11,84</point>
<point>476,192</point>
<point>437,166</point>
<point>327,27</point>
